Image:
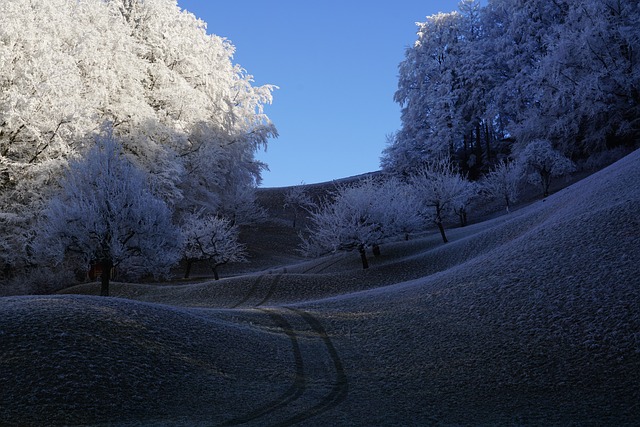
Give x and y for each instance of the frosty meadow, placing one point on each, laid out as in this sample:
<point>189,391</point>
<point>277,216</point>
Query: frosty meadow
<point>488,274</point>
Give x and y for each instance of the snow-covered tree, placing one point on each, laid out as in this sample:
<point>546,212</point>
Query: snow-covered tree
<point>297,200</point>
<point>107,215</point>
<point>210,239</point>
<point>543,163</point>
<point>360,216</point>
<point>398,207</point>
<point>443,89</point>
<point>427,79</point>
<point>184,113</point>
<point>464,200</point>
<point>438,186</point>
<point>503,182</point>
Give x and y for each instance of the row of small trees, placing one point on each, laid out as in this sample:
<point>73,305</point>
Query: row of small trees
<point>370,212</point>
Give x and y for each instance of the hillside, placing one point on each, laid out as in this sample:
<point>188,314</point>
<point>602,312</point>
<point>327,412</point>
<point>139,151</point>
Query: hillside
<point>531,318</point>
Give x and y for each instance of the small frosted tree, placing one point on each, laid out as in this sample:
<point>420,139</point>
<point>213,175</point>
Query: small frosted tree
<point>210,239</point>
<point>503,182</point>
<point>361,216</point>
<point>465,198</point>
<point>543,163</point>
<point>297,200</point>
<point>396,208</point>
<point>345,224</point>
<point>107,215</point>
<point>438,186</point>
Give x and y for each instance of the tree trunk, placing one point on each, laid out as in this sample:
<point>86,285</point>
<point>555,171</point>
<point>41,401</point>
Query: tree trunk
<point>376,250</point>
<point>215,272</point>
<point>188,270</point>
<point>363,257</point>
<point>545,179</point>
<point>441,228</point>
<point>463,217</point>
<point>438,221</point>
<point>477,168</point>
<point>105,277</point>
<point>488,134</point>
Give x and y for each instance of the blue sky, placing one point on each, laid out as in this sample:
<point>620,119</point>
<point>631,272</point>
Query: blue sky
<point>336,65</point>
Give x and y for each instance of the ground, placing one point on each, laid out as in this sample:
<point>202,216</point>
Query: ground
<point>530,318</point>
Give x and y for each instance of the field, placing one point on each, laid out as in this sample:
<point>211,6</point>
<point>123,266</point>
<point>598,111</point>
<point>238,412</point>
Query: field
<point>530,318</point>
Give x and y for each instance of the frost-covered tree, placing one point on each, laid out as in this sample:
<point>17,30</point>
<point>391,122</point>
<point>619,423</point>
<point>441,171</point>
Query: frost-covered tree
<point>184,112</point>
<point>427,79</point>
<point>297,200</point>
<point>398,207</point>
<point>361,216</point>
<point>443,91</point>
<point>591,76</point>
<point>438,186</point>
<point>107,215</point>
<point>503,182</point>
<point>464,200</point>
<point>543,163</point>
<point>210,239</point>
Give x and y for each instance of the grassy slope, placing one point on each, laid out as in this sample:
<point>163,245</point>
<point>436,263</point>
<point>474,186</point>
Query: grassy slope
<point>530,318</point>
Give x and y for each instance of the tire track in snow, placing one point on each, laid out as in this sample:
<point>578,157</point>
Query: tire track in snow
<point>294,391</point>
<point>271,291</point>
<point>268,414</point>
<point>249,294</point>
<point>340,387</point>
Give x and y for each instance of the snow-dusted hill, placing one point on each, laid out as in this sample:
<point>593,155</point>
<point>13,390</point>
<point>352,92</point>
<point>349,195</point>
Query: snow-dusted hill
<point>529,318</point>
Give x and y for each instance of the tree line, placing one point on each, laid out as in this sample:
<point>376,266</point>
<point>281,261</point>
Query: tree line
<point>481,83</point>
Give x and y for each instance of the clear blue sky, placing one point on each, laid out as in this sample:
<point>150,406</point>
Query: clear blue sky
<point>336,63</point>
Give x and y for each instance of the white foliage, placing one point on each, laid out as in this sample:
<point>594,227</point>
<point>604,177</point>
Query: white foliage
<point>183,111</point>
<point>106,212</point>
<point>544,163</point>
<point>212,239</point>
<point>439,187</point>
<point>362,215</point>
<point>559,70</point>
<point>503,182</point>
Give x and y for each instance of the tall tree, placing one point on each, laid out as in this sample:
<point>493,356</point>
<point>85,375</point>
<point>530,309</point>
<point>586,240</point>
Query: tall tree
<point>479,79</point>
<point>592,78</point>
<point>183,111</point>
<point>427,79</point>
